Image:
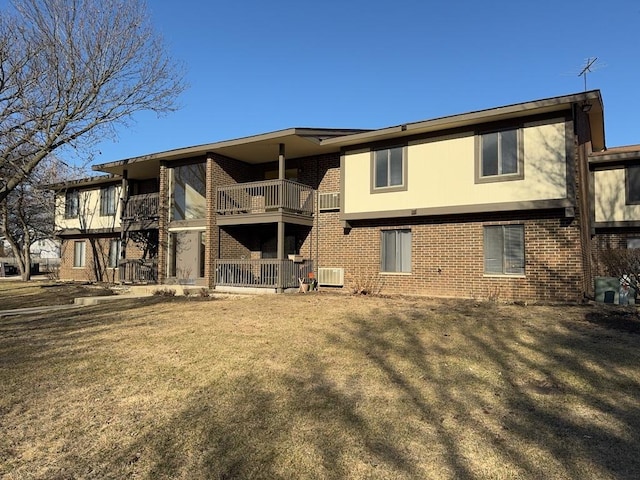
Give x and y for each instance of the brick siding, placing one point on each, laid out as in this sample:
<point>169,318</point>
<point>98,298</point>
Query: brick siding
<point>96,260</point>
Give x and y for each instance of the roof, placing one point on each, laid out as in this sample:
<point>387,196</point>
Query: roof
<point>262,148</point>
<point>83,182</point>
<point>615,155</point>
<point>303,142</point>
<point>547,105</point>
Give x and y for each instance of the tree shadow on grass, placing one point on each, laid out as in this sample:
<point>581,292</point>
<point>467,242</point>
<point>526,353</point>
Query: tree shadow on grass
<point>616,318</point>
<point>459,391</point>
<point>43,336</point>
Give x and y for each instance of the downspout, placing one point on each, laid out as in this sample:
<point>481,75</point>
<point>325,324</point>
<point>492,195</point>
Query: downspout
<point>317,222</point>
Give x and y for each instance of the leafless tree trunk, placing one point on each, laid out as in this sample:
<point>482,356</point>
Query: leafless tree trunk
<point>70,71</point>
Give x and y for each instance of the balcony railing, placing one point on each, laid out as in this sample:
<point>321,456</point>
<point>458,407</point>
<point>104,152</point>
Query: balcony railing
<point>265,196</point>
<point>138,271</point>
<point>262,273</point>
<point>142,207</point>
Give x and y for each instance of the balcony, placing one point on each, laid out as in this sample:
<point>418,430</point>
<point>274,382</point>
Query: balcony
<point>266,201</point>
<point>138,271</point>
<point>262,273</point>
<point>141,211</point>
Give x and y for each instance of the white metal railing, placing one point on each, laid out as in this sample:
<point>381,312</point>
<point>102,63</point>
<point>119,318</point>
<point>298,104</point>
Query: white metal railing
<point>270,273</point>
<point>265,196</point>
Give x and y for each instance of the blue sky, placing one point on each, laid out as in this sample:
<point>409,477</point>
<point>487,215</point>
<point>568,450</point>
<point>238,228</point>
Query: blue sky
<point>256,66</point>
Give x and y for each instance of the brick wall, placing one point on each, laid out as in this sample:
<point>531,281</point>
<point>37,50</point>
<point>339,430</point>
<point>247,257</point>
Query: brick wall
<point>163,223</point>
<point>222,171</point>
<point>96,260</point>
<point>448,257</point>
<point>447,253</point>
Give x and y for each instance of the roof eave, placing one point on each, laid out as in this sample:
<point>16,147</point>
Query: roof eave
<point>472,118</point>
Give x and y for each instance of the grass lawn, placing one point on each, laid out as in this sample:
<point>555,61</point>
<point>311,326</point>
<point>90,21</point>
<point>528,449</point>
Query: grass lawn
<point>320,386</point>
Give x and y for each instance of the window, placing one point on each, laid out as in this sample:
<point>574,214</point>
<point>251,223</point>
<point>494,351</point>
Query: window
<point>71,204</point>
<point>504,249</point>
<point>633,242</point>
<point>78,254</point>
<point>633,184</point>
<point>389,169</point>
<point>189,192</point>
<point>202,259</point>
<point>108,200</point>
<point>396,251</point>
<point>173,254</point>
<point>114,253</point>
<point>500,155</point>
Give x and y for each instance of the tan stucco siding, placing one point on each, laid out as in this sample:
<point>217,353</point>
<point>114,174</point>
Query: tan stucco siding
<point>441,173</point>
<point>89,217</point>
<point>610,197</point>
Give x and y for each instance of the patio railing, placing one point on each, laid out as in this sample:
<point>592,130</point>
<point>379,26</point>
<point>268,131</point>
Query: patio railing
<point>138,271</point>
<point>266,196</point>
<point>268,273</point>
<point>142,207</point>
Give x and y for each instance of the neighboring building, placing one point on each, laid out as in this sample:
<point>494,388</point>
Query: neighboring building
<point>504,203</point>
<point>45,249</point>
<point>615,179</point>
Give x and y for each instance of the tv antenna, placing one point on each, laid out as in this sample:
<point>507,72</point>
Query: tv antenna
<point>587,69</point>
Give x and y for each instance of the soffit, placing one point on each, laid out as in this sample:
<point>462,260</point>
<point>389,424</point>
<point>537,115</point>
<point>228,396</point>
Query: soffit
<point>298,142</point>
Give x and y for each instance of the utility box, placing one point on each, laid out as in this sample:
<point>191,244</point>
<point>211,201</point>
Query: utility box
<point>611,290</point>
<point>607,284</point>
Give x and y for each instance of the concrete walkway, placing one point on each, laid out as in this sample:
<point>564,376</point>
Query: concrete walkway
<point>77,303</point>
<point>30,310</point>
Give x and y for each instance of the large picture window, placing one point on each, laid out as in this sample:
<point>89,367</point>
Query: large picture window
<point>79,254</point>
<point>500,155</point>
<point>389,169</point>
<point>189,192</point>
<point>633,185</point>
<point>504,250</point>
<point>396,251</point>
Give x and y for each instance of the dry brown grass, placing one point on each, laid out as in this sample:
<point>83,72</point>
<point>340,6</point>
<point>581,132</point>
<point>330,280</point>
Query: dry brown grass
<point>320,386</point>
<point>17,294</point>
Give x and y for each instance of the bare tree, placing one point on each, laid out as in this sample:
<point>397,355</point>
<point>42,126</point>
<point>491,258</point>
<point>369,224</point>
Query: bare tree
<point>27,214</point>
<point>70,71</point>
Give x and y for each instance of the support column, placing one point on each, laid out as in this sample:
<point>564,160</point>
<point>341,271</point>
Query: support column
<point>212,245</point>
<point>281,257</point>
<point>163,222</point>
<point>124,198</point>
<point>281,163</point>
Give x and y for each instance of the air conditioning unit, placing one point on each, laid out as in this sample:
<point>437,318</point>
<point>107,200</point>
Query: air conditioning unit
<point>331,277</point>
<point>329,201</point>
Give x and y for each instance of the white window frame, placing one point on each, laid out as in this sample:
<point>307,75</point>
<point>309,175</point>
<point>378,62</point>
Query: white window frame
<point>79,254</point>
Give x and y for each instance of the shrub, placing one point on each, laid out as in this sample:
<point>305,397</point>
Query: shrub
<point>165,292</point>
